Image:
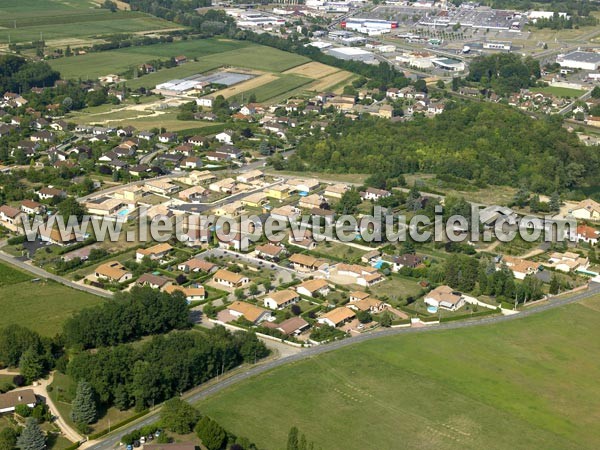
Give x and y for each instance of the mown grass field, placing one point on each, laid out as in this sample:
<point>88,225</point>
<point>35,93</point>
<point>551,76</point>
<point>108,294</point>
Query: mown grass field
<point>28,20</point>
<point>211,53</point>
<point>525,384</point>
<point>41,306</point>
<point>559,91</point>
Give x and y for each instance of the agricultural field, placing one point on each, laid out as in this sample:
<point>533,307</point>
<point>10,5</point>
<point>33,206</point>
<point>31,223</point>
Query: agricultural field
<point>41,306</point>
<point>279,87</point>
<point>211,53</point>
<point>68,21</point>
<point>528,383</point>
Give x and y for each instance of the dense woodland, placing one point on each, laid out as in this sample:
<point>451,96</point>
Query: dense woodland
<point>163,367</point>
<point>482,142</point>
<point>504,73</point>
<point>18,75</point>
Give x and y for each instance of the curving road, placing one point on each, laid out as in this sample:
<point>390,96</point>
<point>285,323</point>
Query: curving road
<point>113,440</point>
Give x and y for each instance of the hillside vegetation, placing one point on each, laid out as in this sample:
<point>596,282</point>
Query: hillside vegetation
<point>489,144</point>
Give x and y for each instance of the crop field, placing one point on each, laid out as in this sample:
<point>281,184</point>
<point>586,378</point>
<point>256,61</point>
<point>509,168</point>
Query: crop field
<point>42,306</point>
<point>277,88</point>
<point>312,69</point>
<point>28,20</point>
<point>252,84</point>
<point>528,383</point>
<point>332,82</point>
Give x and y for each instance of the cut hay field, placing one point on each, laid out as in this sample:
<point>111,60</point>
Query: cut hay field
<point>559,91</point>
<point>313,69</point>
<point>28,20</point>
<point>251,84</point>
<point>41,306</point>
<point>530,383</point>
<point>281,86</point>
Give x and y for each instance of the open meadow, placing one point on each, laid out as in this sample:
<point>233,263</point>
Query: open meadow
<point>42,306</point>
<point>528,383</point>
<point>28,20</point>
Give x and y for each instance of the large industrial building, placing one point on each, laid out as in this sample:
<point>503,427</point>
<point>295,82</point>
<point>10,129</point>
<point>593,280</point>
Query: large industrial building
<point>368,26</point>
<point>580,60</point>
<point>353,53</point>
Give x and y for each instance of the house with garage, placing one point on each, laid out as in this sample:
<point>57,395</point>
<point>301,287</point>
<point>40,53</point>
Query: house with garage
<point>568,261</point>
<point>306,263</point>
<point>250,177</point>
<point>587,210</point>
<point>270,252</point>
<point>290,327</point>
<point>374,194</point>
<point>281,299</point>
<point>11,218</point>
<point>49,193</point>
<point>587,234</point>
<point>197,265</point>
<point>32,207</point>
<point>225,137</point>
<point>519,267</point>
<point>335,190</point>
<point>368,304</point>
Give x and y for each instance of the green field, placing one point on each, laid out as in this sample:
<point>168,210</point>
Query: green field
<point>211,53</point>
<point>28,20</point>
<point>559,91</point>
<point>41,306</point>
<point>280,87</point>
<point>526,384</point>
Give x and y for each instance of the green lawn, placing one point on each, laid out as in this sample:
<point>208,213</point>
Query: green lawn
<point>526,384</point>
<point>211,53</point>
<point>41,306</point>
<point>559,91</point>
<point>276,88</point>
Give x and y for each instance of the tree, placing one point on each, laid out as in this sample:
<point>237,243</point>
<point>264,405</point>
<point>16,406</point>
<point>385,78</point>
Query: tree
<point>292,443</point>
<point>596,92</point>
<point>32,437</point>
<point>349,202</point>
<point>364,316</point>
<point>70,207</point>
<point>179,416</point>
<point>8,438</point>
<point>554,203</point>
<point>554,285</point>
<point>264,148</point>
<point>386,319</point>
<point>31,365</point>
<point>213,436</point>
<point>84,410</point>
<point>440,84</point>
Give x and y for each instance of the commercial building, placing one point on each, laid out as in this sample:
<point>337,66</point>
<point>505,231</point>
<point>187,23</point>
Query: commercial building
<point>580,60</point>
<point>353,53</point>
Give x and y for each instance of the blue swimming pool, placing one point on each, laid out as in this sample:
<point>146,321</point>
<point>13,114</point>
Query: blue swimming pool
<point>378,264</point>
<point>123,212</point>
<point>432,309</point>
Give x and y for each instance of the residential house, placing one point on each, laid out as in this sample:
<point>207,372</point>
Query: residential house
<point>249,312</point>
<point>113,271</point>
<point>278,192</point>
<point>32,207</point>
<point>368,304</point>
<point>230,279</point>
<point>303,185</point>
<point>54,236</point>
<point>374,194</point>
<point>285,213</point>
<point>336,190</point>
<point>195,293</point>
<point>519,267</point>
<point>407,260</point>
<point>281,299</point>
<point>292,326</point>
<point>193,194</point>
<point>312,201</point>
<point>198,141</point>
<point>568,261</point>
<point>337,317</point>
<point>230,210</point>
<point>49,193</point>
<point>43,136</point>
<point>305,263</point>
<point>154,281</point>
<point>270,252</point>
<point>586,234</point>
<point>587,210</point>
<point>312,288</point>
<point>156,252</point>
<point>11,399</point>
<point>250,177</point>
<point>191,162</point>
<point>167,138</point>
<point>445,297</point>
<point>255,200</point>
<point>163,187</point>
<point>197,265</point>
<point>179,60</point>
<point>196,177</point>
<point>11,218</point>
<point>206,102</point>
<point>225,137</point>
<point>226,185</point>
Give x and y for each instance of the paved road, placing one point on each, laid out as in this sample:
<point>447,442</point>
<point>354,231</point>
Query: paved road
<point>113,440</point>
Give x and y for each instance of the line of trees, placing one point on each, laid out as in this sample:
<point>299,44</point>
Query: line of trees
<point>19,75</point>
